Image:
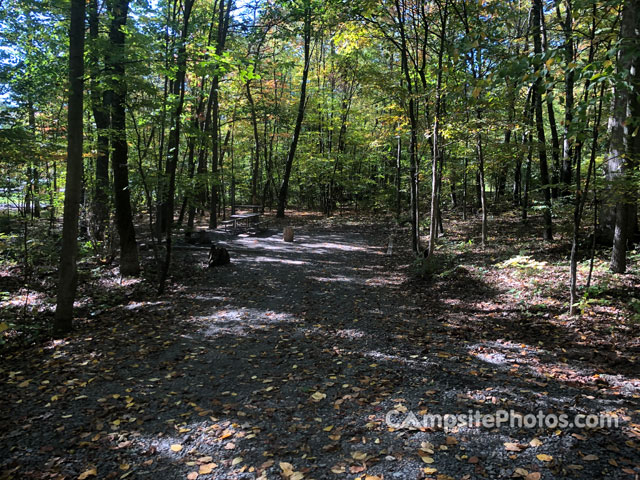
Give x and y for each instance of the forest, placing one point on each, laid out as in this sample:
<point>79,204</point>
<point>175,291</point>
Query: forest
<point>456,182</point>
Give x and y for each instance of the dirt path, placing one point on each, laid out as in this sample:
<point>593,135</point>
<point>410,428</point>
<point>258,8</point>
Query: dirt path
<point>285,364</point>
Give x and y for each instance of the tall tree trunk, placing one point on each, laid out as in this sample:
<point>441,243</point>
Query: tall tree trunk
<point>580,200</point>
<point>542,146</point>
<point>483,194</point>
<point>129,264</point>
<point>284,187</point>
<point>464,183</point>
<point>100,104</point>
<point>413,122</point>
<point>527,139</point>
<point>569,80</point>
<point>437,148</point>
<point>223,28</point>
<point>255,174</point>
<point>174,143</point>
<point>67,280</point>
<point>33,171</point>
<point>517,178</point>
<point>551,115</point>
<point>215,152</point>
<point>398,179</point>
<point>625,140</point>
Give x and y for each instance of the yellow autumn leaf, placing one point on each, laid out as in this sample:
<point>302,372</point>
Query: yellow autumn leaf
<point>316,397</point>
<point>358,455</point>
<point>512,447</point>
<point>543,457</point>
<point>429,470</point>
<point>176,447</point>
<point>426,459</point>
<point>236,461</point>
<point>207,468</point>
<point>92,472</point>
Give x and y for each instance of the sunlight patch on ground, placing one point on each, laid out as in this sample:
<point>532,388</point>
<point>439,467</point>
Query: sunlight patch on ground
<point>335,278</point>
<point>325,246</point>
<point>214,298</point>
<point>350,333</point>
<point>415,361</point>
<point>529,361</point>
<point>278,260</point>
<point>301,243</point>
<point>28,300</point>
<point>118,281</point>
<point>386,280</point>
<point>138,305</point>
<point>241,321</point>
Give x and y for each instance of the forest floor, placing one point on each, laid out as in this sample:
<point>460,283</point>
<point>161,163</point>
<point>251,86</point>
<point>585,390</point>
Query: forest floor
<point>287,362</point>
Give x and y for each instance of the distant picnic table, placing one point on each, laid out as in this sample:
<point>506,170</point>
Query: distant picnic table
<point>246,220</point>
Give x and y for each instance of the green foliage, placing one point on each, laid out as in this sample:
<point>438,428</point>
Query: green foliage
<point>440,263</point>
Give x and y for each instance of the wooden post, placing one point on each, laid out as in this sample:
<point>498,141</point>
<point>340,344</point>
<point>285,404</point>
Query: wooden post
<point>288,234</point>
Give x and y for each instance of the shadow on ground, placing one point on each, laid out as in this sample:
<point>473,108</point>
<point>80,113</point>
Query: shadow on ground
<point>295,353</point>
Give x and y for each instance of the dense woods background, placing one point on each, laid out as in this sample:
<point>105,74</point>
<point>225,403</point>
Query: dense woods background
<point>152,119</point>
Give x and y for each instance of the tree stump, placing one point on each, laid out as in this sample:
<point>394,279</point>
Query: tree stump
<point>288,234</point>
<point>218,256</point>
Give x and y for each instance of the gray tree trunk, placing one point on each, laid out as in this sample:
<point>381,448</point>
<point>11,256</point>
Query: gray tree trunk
<point>68,276</point>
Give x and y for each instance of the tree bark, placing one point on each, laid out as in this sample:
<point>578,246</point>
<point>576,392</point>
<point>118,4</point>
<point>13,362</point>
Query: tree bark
<point>223,28</point>
<point>67,283</point>
<point>255,174</point>
<point>284,187</point>
<point>437,149</point>
<point>569,80</point>
<point>579,200</point>
<point>542,147</point>
<point>483,194</point>
<point>100,108</point>
<point>173,144</point>
<point>553,128</point>
<point>624,147</point>
<point>129,264</point>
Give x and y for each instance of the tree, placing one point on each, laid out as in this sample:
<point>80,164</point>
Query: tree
<point>67,279</point>
<point>178,91</point>
<point>100,100</point>
<point>306,12</point>
<point>129,263</point>
<point>537,100</point>
<point>214,109</point>
<point>623,129</point>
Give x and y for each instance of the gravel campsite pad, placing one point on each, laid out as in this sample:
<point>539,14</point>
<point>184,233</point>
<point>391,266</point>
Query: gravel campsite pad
<point>289,362</point>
